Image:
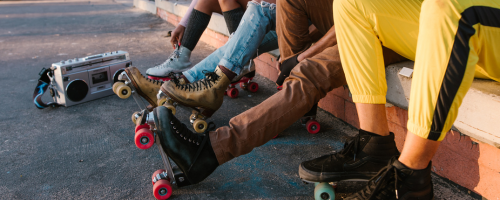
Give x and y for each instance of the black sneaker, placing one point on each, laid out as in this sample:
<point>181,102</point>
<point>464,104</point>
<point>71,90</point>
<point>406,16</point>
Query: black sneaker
<point>362,157</point>
<point>396,181</point>
<point>192,152</point>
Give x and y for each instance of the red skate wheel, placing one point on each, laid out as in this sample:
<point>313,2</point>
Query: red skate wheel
<point>253,87</point>
<point>312,126</point>
<point>156,173</point>
<point>233,93</point>
<point>162,189</point>
<point>144,139</point>
<point>137,128</point>
<point>244,86</point>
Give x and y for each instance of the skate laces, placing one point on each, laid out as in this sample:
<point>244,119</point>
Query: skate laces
<point>182,130</point>
<point>384,185</point>
<point>209,80</point>
<point>171,58</point>
<point>350,148</point>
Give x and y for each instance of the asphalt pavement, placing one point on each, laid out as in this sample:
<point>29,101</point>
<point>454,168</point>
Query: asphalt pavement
<point>87,151</point>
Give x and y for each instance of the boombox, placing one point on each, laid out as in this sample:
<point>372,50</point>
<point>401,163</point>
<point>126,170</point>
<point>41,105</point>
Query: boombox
<point>79,80</point>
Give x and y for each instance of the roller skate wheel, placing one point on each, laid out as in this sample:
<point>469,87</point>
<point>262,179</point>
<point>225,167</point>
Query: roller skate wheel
<point>161,101</point>
<point>115,85</point>
<point>200,125</point>
<point>154,175</point>
<point>253,87</point>
<point>144,139</point>
<point>133,116</point>
<point>244,86</point>
<point>170,107</point>
<point>162,189</point>
<point>139,127</point>
<point>233,93</point>
<point>323,191</point>
<point>313,126</point>
<point>123,91</point>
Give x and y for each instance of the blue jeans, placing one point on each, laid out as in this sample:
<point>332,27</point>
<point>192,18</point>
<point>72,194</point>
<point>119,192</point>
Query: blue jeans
<point>254,35</point>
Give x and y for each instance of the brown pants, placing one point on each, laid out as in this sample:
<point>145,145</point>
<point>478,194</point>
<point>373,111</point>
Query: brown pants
<point>294,39</point>
<point>308,82</point>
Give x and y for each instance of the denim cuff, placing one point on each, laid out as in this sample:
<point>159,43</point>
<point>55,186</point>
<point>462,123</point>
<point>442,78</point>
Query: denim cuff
<point>189,76</point>
<point>227,64</point>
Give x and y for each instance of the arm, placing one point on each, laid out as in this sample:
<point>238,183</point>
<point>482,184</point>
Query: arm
<point>328,40</point>
<point>178,32</point>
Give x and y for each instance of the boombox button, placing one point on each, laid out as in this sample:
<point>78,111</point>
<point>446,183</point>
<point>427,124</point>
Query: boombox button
<point>66,79</point>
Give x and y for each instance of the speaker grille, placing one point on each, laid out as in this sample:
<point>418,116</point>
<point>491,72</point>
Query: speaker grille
<point>77,90</point>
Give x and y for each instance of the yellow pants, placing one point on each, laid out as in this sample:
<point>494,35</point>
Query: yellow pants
<point>447,52</point>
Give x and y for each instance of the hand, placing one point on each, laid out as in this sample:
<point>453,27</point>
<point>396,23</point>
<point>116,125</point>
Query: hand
<point>177,35</point>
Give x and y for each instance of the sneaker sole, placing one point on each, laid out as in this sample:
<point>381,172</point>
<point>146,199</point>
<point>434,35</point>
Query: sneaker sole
<point>311,176</point>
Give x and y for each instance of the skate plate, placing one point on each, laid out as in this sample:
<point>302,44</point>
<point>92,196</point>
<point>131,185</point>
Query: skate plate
<point>162,179</point>
<point>245,84</point>
<point>124,89</point>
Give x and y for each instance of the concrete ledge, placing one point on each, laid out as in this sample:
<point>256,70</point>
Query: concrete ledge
<point>146,5</point>
<point>478,115</point>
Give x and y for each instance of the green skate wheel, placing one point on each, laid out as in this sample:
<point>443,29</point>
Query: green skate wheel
<point>323,191</point>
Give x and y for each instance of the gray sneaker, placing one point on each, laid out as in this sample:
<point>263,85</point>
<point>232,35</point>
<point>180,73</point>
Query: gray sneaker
<point>177,62</point>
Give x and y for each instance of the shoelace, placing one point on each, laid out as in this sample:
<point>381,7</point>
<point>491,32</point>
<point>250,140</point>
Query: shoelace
<point>380,187</point>
<point>350,147</point>
<point>182,130</point>
<point>172,56</point>
<point>209,80</point>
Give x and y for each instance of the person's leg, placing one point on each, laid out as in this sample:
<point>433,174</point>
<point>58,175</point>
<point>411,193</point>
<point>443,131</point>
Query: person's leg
<point>258,21</point>
<point>361,34</point>
<point>295,39</point>
<point>198,22</point>
<point>233,11</point>
<point>454,38</point>
<point>308,82</point>
<point>197,72</point>
<point>446,58</point>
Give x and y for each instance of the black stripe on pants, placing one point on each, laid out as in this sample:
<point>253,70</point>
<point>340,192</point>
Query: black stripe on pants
<point>486,16</point>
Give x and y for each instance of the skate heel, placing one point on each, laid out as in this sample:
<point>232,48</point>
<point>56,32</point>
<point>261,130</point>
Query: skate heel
<point>245,83</point>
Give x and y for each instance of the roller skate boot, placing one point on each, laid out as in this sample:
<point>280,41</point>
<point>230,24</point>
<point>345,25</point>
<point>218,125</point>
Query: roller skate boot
<point>177,62</point>
<point>244,79</point>
<point>396,181</point>
<point>204,96</point>
<point>362,157</point>
<point>192,152</point>
<point>132,82</point>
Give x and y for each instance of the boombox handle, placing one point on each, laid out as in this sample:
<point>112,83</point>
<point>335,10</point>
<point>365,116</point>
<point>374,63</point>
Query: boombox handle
<point>44,83</point>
